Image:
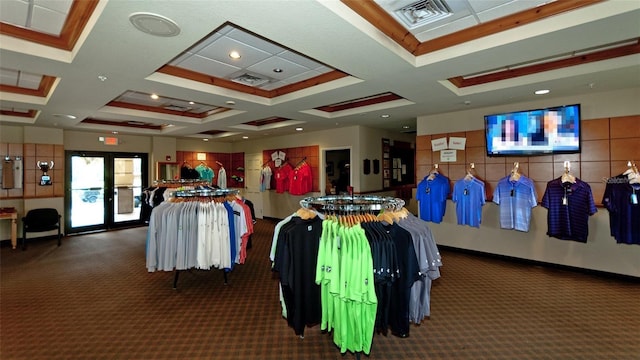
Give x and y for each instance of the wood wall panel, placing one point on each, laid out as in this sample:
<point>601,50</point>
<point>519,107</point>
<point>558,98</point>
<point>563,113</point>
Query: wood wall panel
<point>625,149</point>
<point>595,129</point>
<point>595,150</point>
<point>607,145</point>
<point>475,154</point>
<point>625,127</point>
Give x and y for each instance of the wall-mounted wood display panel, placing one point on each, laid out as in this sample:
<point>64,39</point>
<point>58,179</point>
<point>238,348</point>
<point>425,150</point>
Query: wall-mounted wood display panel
<point>294,156</point>
<point>607,145</point>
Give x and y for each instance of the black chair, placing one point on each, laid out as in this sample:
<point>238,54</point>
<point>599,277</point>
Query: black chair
<point>38,220</point>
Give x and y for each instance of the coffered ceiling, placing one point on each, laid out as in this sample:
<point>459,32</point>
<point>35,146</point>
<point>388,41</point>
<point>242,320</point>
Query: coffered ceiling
<point>231,69</point>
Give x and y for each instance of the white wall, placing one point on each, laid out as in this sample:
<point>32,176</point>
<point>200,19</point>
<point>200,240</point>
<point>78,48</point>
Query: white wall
<point>601,252</point>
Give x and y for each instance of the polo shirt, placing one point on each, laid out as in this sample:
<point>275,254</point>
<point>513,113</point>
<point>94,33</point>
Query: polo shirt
<point>624,213</point>
<point>432,197</point>
<point>469,197</point>
<point>568,220</point>
<point>515,200</point>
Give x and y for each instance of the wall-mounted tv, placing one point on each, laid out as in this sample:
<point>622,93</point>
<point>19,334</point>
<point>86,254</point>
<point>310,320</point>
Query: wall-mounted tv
<point>552,130</point>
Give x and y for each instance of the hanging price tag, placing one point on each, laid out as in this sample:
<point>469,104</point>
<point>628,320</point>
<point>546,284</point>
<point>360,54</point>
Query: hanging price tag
<point>565,201</point>
<point>634,199</point>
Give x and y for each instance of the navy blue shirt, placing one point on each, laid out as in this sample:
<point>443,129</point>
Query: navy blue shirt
<point>624,213</point>
<point>569,205</point>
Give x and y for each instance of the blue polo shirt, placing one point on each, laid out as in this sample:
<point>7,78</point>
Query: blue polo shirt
<point>515,200</point>
<point>469,196</point>
<point>432,197</point>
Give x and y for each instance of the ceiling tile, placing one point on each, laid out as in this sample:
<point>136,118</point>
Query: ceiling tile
<point>302,77</point>
<point>207,66</point>
<point>8,77</point>
<point>14,12</point>
<point>288,68</point>
<point>254,41</point>
<point>61,6</point>
<point>47,21</point>
<point>29,81</point>
<point>219,50</point>
<point>505,9</point>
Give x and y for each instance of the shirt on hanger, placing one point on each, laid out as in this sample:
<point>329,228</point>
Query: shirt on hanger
<point>469,196</point>
<point>432,197</point>
<point>569,206</point>
<point>515,200</point>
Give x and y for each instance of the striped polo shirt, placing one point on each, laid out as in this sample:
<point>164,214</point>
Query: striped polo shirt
<point>568,219</point>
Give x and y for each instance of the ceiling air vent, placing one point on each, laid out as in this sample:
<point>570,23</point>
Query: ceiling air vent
<point>423,12</point>
<point>249,79</point>
<point>177,108</point>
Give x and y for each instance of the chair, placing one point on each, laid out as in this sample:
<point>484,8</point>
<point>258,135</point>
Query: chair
<point>38,220</point>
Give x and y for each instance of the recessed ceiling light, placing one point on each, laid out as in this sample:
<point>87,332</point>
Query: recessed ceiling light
<point>154,24</point>
<point>405,126</point>
<point>234,55</point>
<point>155,96</point>
<point>385,116</point>
<point>542,92</point>
<point>230,102</point>
<point>205,139</point>
<point>299,129</point>
<point>191,103</point>
<point>67,116</point>
<point>102,78</point>
<point>114,132</point>
<point>277,70</point>
<point>245,137</point>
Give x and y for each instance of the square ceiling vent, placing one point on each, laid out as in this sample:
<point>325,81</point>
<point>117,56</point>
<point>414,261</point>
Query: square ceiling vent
<point>423,12</point>
<point>250,79</point>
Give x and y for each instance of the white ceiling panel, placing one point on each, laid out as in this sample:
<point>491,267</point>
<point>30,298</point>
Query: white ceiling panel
<point>288,68</point>
<point>254,41</point>
<point>505,9</point>
<point>301,77</point>
<point>303,61</point>
<point>47,21</point>
<point>208,66</point>
<point>219,50</point>
<point>8,77</point>
<point>447,28</point>
<point>14,12</point>
<point>29,81</point>
<point>61,6</point>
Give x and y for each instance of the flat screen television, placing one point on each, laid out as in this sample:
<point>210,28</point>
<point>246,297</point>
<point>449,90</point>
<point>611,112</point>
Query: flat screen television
<point>553,130</point>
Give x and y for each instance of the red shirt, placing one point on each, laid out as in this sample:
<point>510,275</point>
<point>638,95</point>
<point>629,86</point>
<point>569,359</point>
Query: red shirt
<point>282,178</point>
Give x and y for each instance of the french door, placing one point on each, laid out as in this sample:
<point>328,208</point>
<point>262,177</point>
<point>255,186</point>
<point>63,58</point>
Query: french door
<point>103,190</point>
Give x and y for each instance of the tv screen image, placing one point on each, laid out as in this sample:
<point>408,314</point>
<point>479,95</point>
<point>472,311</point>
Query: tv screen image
<point>546,131</point>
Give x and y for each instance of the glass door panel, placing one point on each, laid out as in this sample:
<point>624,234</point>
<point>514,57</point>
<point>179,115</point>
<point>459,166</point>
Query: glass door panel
<point>127,189</point>
<point>105,190</point>
<point>87,200</point>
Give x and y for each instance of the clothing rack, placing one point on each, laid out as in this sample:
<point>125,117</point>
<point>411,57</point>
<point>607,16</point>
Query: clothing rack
<point>204,193</point>
<point>352,203</point>
<point>185,182</point>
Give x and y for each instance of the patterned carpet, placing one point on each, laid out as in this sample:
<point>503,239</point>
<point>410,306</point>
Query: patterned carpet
<point>92,298</point>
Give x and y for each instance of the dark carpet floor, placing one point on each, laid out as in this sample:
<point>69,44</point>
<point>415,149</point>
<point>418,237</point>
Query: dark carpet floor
<point>92,298</point>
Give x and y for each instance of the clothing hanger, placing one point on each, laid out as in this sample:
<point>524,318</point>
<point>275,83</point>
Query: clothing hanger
<point>434,172</point>
<point>470,172</point>
<point>515,172</point>
<point>567,177</point>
